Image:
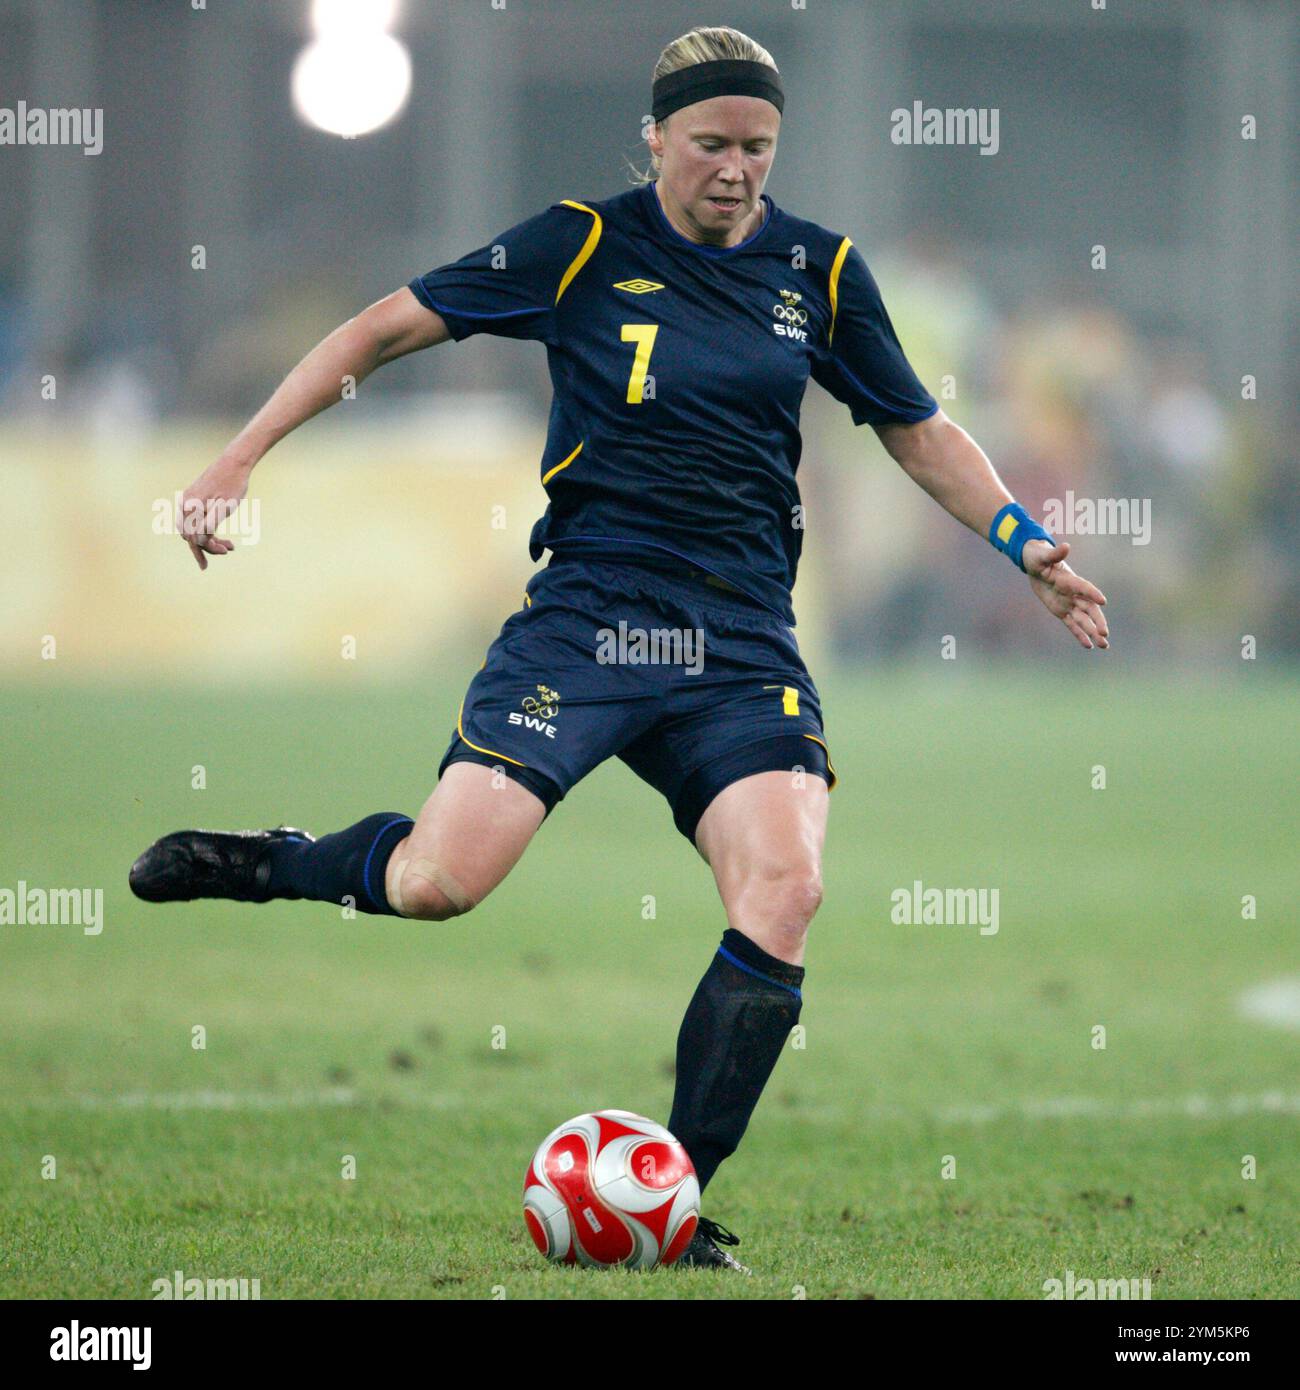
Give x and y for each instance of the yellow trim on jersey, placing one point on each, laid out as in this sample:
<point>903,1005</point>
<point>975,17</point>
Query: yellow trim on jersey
<point>588,246</point>
<point>835,284</point>
<point>551,472</point>
<point>830,767</point>
<point>490,752</point>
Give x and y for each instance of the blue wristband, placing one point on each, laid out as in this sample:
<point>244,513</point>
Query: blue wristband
<point>1012,528</point>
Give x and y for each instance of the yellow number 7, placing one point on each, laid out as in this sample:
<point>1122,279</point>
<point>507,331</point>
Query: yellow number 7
<point>643,335</point>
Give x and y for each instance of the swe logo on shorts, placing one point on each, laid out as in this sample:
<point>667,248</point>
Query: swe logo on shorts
<point>539,710</point>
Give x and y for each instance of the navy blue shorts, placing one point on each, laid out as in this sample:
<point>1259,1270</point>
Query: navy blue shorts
<point>691,685</point>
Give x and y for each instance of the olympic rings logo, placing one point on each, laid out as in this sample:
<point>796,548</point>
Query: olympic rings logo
<point>798,317</point>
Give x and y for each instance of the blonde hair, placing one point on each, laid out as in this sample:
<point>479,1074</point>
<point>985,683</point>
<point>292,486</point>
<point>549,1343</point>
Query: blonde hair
<point>706,43</point>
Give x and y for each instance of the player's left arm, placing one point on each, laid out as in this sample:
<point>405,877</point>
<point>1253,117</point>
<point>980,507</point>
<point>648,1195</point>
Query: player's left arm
<point>943,459</point>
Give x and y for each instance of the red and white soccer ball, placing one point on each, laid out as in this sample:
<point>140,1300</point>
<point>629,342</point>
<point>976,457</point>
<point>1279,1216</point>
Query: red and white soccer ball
<point>611,1188</point>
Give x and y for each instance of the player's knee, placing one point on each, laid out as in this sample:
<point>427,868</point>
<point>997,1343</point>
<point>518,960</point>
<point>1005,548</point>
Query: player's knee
<point>785,897</point>
<point>422,889</point>
<point>810,895</point>
<point>778,914</point>
<point>797,897</point>
<point>796,884</point>
<point>427,902</point>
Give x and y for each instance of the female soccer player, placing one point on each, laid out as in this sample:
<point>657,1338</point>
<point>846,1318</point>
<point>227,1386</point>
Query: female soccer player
<point>682,320</point>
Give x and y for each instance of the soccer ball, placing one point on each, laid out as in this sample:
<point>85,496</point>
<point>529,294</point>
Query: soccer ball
<point>611,1188</point>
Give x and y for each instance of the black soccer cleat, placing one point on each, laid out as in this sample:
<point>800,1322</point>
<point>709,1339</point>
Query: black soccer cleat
<point>705,1252</point>
<point>191,864</point>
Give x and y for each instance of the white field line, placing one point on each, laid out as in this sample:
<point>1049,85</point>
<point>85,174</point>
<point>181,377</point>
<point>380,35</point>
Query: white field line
<point>321,1099</point>
<point>1192,1107</point>
<point>220,1100</point>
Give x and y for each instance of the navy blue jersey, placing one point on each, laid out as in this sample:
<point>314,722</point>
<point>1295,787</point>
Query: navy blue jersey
<point>679,370</point>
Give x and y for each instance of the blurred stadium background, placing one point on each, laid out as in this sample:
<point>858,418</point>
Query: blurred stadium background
<point>401,519</point>
<point>1120,128</point>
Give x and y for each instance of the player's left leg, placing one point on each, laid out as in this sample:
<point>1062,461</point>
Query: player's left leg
<point>762,836</point>
<point>738,750</point>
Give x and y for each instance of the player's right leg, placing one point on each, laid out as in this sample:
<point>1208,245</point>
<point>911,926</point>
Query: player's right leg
<point>538,716</point>
<point>469,835</point>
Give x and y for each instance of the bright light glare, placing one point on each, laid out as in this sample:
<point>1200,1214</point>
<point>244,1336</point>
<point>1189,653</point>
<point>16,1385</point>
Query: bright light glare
<point>333,18</point>
<point>352,87</point>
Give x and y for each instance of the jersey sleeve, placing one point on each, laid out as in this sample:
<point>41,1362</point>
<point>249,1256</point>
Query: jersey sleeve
<point>509,287</point>
<point>863,364</point>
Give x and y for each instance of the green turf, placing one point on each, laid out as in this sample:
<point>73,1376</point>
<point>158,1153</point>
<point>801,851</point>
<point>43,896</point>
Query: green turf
<point>374,1038</point>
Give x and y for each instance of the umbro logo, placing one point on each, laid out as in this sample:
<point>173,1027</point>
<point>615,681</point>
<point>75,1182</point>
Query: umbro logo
<point>639,286</point>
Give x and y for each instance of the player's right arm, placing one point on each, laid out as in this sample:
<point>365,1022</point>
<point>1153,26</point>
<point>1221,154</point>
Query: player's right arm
<point>509,288</point>
<point>391,328</point>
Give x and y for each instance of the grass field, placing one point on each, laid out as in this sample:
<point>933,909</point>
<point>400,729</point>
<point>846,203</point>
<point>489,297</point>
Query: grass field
<point>373,1038</point>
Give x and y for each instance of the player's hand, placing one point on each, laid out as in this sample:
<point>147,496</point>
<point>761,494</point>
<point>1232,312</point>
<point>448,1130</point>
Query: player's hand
<point>206,503</point>
<point>1066,595</point>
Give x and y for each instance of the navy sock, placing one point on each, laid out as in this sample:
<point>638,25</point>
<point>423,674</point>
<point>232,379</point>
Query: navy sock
<point>730,1039</point>
<point>348,864</point>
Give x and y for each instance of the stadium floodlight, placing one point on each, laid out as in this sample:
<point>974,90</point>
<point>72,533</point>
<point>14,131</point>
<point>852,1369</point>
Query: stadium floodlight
<point>352,88</point>
<point>355,77</point>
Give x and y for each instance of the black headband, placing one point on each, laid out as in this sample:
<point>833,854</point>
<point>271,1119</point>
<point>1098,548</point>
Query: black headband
<point>722,77</point>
